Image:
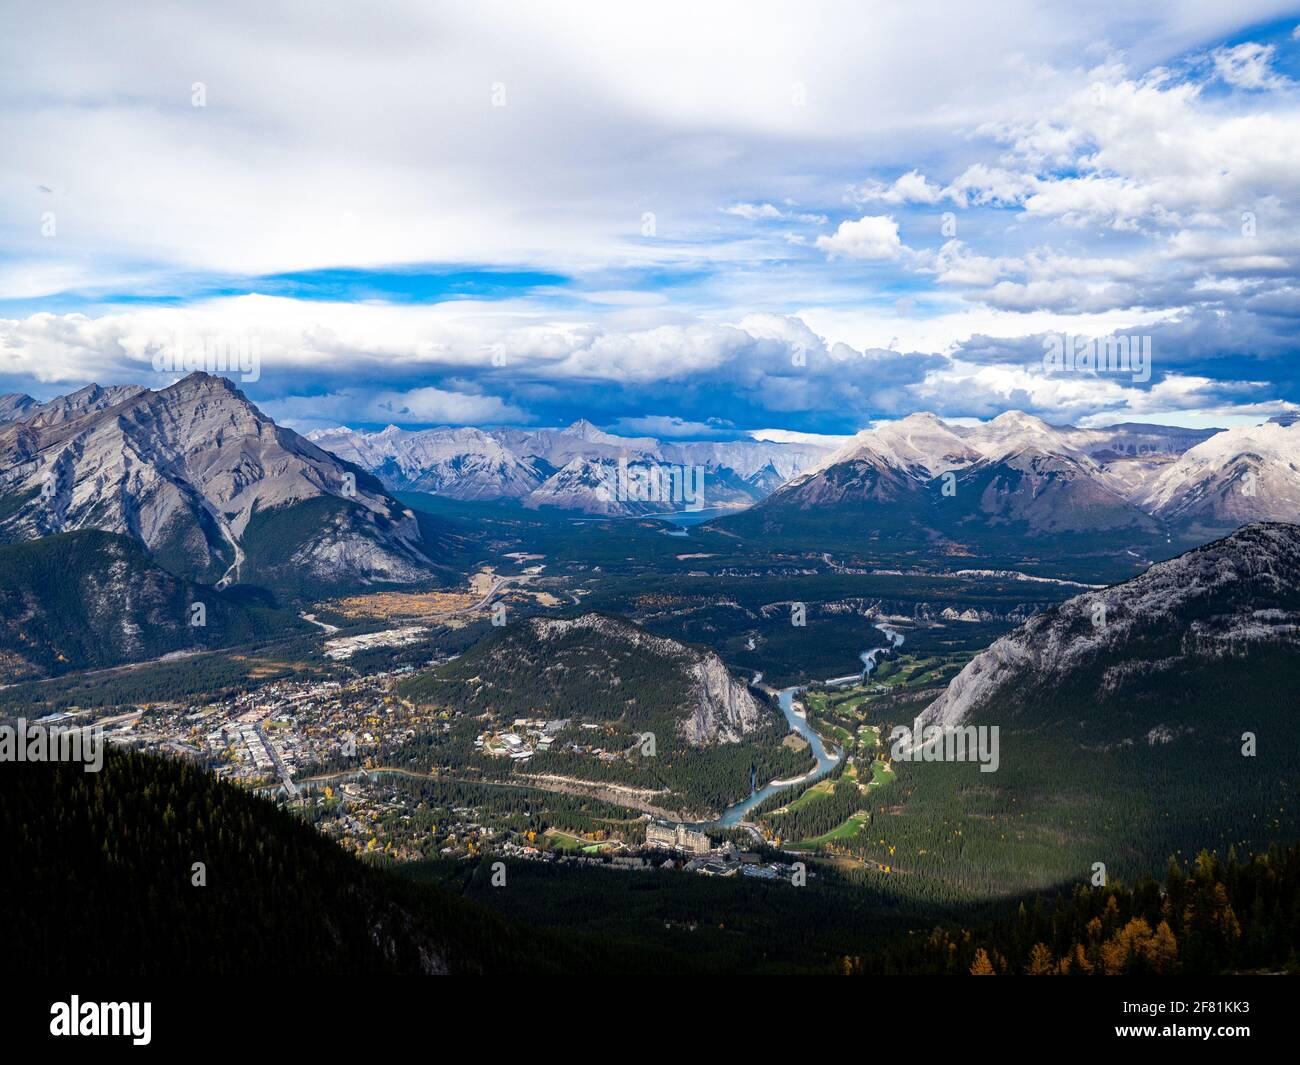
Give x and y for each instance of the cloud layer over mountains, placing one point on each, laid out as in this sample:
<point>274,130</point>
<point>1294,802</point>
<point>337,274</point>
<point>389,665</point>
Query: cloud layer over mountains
<point>485,215</point>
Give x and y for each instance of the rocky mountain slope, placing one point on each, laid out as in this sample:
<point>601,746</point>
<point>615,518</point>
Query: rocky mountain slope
<point>1245,474</point>
<point>588,486</point>
<point>575,468</point>
<point>616,685</point>
<point>15,405</point>
<point>91,599</point>
<point>212,487</point>
<point>605,668</point>
<point>1044,491</point>
<point>1147,720</point>
<point>462,463</point>
<point>19,408</point>
<point>1224,601</point>
<point>1012,477</point>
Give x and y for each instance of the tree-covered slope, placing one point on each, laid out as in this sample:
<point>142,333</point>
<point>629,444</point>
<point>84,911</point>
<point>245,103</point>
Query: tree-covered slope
<point>101,883</point>
<point>90,599</point>
<point>1151,718</point>
<point>712,736</point>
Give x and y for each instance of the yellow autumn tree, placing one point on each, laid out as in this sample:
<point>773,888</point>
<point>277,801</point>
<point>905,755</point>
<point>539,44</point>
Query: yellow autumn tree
<point>982,966</point>
<point>1161,951</point>
<point>1040,961</point>
<point>1135,939</point>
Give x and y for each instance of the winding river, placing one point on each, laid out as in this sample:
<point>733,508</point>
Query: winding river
<point>826,759</point>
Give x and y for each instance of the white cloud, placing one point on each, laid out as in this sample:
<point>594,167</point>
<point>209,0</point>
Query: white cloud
<point>949,323</point>
<point>670,428</point>
<point>1248,66</point>
<point>788,436</point>
<point>981,185</point>
<point>367,140</point>
<point>753,211</point>
<point>912,187</point>
<point>870,237</point>
<point>414,407</point>
<point>1150,152</point>
<point>1087,198</point>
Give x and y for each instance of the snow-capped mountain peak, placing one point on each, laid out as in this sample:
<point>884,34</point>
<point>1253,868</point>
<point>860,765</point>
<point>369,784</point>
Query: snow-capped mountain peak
<point>1247,473</point>
<point>557,464</point>
<point>584,430</point>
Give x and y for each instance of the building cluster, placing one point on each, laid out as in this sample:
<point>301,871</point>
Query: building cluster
<point>263,738</point>
<point>526,737</point>
<point>676,837</point>
<point>345,647</point>
<point>724,861</point>
<point>272,738</point>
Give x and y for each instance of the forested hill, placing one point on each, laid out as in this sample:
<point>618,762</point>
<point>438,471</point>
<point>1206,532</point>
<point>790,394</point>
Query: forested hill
<point>600,667</point>
<point>100,883</point>
<point>90,599</point>
<point>616,684</point>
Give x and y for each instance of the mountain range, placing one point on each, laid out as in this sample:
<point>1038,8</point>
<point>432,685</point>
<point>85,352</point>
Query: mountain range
<point>572,469</point>
<point>219,494</point>
<point>1016,476</point>
<point>1015,473</point>
<point>215,490</point>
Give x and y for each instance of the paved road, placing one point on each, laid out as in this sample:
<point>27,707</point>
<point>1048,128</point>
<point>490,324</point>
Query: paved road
<point>497,585</point>
<point>285,777</point>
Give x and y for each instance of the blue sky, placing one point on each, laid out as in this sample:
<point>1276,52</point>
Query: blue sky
<point>724,218</point>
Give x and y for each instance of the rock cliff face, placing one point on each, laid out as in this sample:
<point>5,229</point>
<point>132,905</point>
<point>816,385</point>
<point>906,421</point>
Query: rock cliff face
<point>725,710</point>
<point>601,666</point>
<point>717,709</point>
<point>210,485</point>
<point>1225,599</point>
<point>14,406</point>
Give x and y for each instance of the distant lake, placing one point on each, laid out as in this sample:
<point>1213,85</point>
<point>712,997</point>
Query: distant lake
<point>695,517</point>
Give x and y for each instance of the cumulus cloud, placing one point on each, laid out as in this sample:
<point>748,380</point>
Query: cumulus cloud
<point>912,187</point>
<point>680,214</point>
<point>990,186</point>
<point>416,407</point>
<point>454,364</point>
<point>870,237</point>
<point>670,427</point>
<point>1153,152</point>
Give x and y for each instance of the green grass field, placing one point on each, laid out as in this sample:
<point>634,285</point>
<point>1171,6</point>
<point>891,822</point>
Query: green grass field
<point>846,831</point>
